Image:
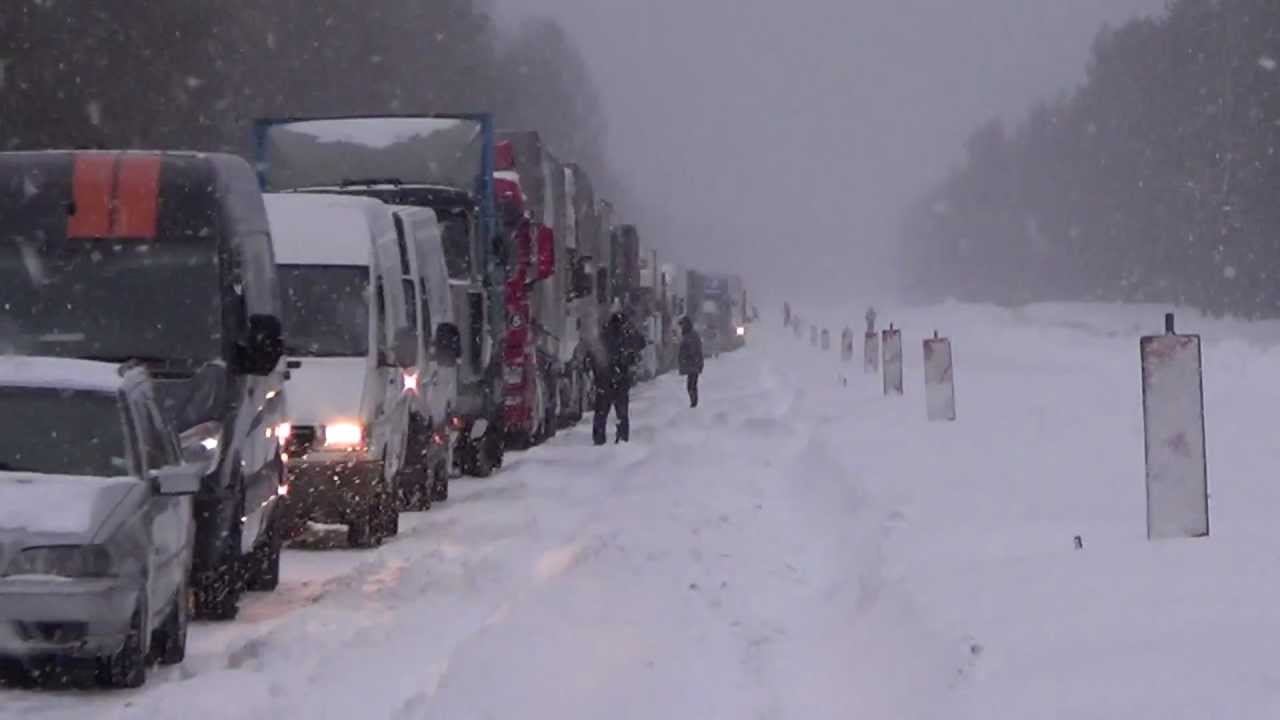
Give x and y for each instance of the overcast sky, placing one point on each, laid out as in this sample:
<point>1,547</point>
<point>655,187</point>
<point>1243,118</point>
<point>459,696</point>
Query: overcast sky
<point>783,138</point>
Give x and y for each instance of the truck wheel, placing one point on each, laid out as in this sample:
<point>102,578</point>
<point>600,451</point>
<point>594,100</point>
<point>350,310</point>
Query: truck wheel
<point>170,642</point>
<point>128,667</point>
<point>440,484</point>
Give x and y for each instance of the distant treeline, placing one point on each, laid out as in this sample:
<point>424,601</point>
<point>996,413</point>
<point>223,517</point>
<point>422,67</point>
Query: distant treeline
<point>1157,180</point>
<point>195,73</point>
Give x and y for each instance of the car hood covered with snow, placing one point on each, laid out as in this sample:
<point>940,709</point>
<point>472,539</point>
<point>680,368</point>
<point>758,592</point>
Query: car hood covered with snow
<point>38,509</point>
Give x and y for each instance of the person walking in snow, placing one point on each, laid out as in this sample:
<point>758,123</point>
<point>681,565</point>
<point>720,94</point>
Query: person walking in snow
<point>622,343</point>
<point>871,321</point>
<point>691,359</point>
<point>786,314</point>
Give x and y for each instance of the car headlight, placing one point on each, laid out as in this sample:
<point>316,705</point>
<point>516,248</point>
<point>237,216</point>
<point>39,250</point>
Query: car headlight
<point>344,436</point>
<point>67,561</point>
<point>741,331</point>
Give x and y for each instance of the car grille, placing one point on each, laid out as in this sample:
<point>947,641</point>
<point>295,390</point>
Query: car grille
<point>54,633</point>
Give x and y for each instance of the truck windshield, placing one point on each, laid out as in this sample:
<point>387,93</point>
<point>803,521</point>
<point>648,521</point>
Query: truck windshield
<point>457,245</point>
<point>326,310</point>
<point>111,299</point>
<point>62,432</point>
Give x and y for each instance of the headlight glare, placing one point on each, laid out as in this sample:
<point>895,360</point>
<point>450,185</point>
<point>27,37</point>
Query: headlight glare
<point>344,435</point>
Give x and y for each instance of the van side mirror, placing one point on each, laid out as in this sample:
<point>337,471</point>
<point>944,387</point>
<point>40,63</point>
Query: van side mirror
<point>173,480</point>
<point>580,283</point>
<point>264,346</point>
<point>404,348</point>
<point>448,344</point>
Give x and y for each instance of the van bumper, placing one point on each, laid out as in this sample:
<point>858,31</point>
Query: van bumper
<point>330,491</point>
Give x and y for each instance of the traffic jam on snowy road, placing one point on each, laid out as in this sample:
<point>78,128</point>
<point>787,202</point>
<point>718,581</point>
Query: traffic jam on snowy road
<point>232,358</point>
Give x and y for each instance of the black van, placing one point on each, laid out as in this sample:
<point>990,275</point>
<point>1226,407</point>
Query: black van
<point>166,259</point>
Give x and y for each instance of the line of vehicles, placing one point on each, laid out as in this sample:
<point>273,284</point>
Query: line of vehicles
<point>199,356</point>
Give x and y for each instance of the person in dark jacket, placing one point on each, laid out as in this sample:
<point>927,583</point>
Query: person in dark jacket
<point>691,360</point>
<point>622,343</point>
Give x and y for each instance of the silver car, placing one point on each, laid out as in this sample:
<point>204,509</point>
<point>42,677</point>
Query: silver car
<point>96,521</point>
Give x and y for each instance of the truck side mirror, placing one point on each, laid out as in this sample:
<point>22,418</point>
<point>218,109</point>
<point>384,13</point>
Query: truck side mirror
<point>264,346</point>
<point>448,344</point>
<point>545,241</point>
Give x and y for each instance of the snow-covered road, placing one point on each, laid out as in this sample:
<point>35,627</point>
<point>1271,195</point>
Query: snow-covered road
<point>799,548</point>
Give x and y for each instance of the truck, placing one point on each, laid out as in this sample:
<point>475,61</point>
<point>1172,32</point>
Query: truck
<point>528,413</point>
<point>442,162</point>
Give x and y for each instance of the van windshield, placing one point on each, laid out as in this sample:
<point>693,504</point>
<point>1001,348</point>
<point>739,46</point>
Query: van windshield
<point>326,310</point>
<point>111,299</point>
<point>62,432</point>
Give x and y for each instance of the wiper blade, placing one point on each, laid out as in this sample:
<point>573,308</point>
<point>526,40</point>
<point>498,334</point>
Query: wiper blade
<point>357,182</point>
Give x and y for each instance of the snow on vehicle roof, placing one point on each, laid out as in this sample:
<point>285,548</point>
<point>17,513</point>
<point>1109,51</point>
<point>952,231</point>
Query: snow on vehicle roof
<point>59,373</point>
<point>316,229</point>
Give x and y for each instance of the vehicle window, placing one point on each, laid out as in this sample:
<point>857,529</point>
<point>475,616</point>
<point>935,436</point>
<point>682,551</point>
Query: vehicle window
<point>62,432</point>
<point>404,246</point>
<point>381,320</point>
<point>456,238</point>
<point>111,299</point>
<point>154,444</point>
<point>168,441</point>
<point>326,310</point>
<point>258,266</point>
<point>410,302</point>
<point>427,325</point>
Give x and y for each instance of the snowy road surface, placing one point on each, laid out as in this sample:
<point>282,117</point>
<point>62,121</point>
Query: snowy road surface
<point>798,548</point>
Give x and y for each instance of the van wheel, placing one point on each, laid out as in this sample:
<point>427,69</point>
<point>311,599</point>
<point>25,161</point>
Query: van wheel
<point>170,642</point>
<point>262,567</point>
<point>440,483</point>
<point>217,592</point>
<point>414,478</point>
<point>475,457</point>
<point>128,667</point>
<point>389,511</point>
<point>367,531</point>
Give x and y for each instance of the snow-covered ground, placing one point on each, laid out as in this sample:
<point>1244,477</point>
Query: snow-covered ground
<point>801,548</point>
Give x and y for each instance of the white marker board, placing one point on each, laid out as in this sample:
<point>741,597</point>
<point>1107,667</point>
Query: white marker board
<point>1173,419</point>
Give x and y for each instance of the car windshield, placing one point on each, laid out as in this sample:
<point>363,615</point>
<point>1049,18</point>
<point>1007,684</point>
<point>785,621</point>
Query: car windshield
<point>62,432</point>
<point>457,245</point>
<point>110,299</point>
<point>326,310</point>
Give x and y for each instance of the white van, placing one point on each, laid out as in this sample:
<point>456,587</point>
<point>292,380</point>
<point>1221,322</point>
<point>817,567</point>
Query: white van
<point>348,345</point>
<point>433,382</point>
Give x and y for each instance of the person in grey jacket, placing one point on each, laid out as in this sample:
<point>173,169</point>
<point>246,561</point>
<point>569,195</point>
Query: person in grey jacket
<point>691,360</point>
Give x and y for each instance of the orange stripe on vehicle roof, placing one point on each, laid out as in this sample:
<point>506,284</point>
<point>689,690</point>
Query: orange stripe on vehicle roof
<point>91,191</point>
<point>137,197</point>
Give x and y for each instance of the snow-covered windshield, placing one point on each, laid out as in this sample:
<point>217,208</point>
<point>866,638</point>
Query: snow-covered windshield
<point>326,310</point>
<point>111,299</point>
<point>306,153</point>
<point>62,432</point>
